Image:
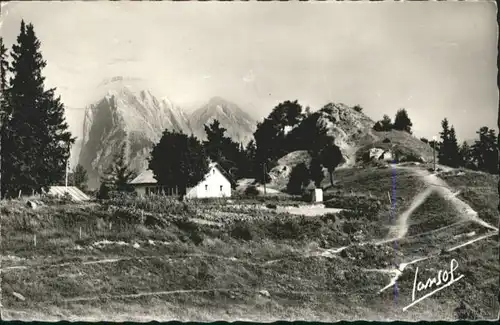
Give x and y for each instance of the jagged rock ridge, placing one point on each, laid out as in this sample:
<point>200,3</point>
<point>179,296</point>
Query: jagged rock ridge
<point>125,113</point>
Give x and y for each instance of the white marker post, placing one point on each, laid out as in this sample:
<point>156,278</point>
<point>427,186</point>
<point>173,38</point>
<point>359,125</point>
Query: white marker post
<point>34,239</point>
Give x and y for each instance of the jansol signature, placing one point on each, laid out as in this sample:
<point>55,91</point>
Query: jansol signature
<point>443,280</point>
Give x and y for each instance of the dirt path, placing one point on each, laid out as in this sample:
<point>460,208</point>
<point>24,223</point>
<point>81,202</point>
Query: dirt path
<point>139,258</point>
<point>441,187</point>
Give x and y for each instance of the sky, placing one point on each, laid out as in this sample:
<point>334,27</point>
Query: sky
<point>436,59</point>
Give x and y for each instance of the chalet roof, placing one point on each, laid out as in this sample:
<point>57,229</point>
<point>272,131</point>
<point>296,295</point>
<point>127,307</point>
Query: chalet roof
<point>147,176</point>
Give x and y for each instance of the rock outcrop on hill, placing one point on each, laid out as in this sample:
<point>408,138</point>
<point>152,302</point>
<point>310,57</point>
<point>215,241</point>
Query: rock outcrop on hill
<point>353,133</point>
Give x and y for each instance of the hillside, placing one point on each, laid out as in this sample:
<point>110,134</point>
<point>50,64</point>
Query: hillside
<point>240,126</point>
<point>164,260</point>
<point>359,143</point>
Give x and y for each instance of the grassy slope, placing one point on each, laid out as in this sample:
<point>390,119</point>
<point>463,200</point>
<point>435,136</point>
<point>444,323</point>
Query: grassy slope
<point>406,146</point>
<point>401,143</point>
<point>262,251</point>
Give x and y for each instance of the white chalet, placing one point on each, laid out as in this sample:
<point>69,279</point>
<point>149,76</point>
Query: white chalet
<point>215,184</point>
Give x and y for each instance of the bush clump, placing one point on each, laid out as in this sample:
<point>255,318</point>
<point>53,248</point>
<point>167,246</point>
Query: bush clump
<point>251,191</point>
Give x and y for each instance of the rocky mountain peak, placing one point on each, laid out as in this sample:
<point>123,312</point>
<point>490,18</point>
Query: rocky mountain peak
<point>125,113</point>
<point>240,126</point>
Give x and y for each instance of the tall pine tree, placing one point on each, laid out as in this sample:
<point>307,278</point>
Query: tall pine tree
<point>119,174</point>
<point>443,157</point>
<point>453,150</point>
<point>485,150</point>
<point>3,101</point>
<point>402,121</point>
<point>466,156</point>
<point>222,149</point>
<point>38,141</point>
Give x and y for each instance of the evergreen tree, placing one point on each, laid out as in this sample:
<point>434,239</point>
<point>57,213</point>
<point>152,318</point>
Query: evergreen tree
<point>3,103</point>
<point>316,172</point>
<point>443,154</point>
<point>402,121</point>
<point>103,193</point>
<point>269,140</point>
<point>330,158</point>
<point>310,135</point>
<point>222,149</point>
<point>270,136</point>
<point>485,150</point>
<point>80,177</point>
<point>466,158</point>
<point>37,140</point>
<point>247,166</point>
<point>178,161</point>
<point>118,174</point>
<point>383,125</point>
<point>492,157</point>
<point>299,179</point>
<point>453,150</point>
<point>287,113</point>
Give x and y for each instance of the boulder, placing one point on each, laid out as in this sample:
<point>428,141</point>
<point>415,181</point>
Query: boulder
<point>265,293</point>
<point>375,153</point>
<point>31,205</point>
<point>386,156</point>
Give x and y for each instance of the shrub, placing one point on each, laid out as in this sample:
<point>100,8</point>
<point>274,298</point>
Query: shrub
<point>251,191</point>
<point>329,217</point>
<point>103,192</point>
<point>124,215</point>
<point>358,108</point>
<point>185,224</point>
<point>241,231</point>
<point>383,125</point>
<point>299,178</point>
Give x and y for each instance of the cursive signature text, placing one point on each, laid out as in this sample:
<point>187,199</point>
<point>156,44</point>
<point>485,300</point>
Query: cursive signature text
<point>443,280</point>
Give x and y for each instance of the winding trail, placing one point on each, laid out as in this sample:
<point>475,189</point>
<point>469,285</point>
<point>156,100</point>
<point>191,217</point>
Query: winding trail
<point>441,187</point>
<point>438,185</point>
<point>435,185</point>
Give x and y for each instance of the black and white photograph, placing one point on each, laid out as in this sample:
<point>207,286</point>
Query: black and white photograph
<point>249,161</point>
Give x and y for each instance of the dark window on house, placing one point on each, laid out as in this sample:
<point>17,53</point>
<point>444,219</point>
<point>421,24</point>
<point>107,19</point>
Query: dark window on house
<point>206,187</point>
<point>221,188</point>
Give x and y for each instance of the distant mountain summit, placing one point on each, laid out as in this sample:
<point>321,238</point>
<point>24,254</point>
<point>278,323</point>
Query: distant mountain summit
<point>240,125</point>
<point>125,112</point>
